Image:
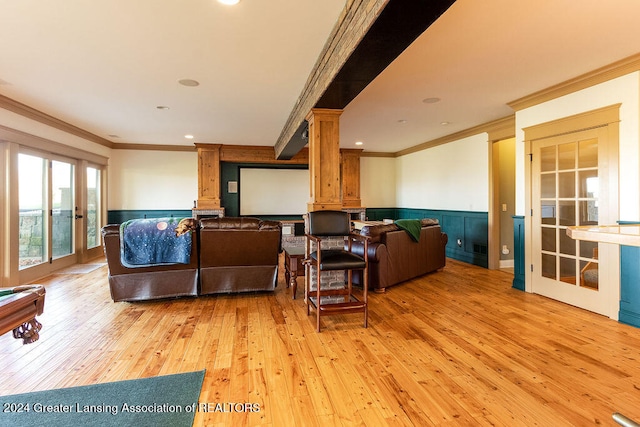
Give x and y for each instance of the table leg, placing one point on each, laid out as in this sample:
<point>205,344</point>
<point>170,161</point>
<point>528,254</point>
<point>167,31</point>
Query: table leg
<point>294,284</point>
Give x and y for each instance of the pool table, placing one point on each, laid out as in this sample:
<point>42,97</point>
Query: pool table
<point>19,307</point>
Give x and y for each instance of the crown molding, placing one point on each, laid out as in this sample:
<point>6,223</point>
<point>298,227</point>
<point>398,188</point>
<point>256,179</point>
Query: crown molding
<point>376,154</point>
<point>497,129</point>
<point>47,145</point>
<point>33,114</point>
<point>152,147</point>
<point>592,78</point>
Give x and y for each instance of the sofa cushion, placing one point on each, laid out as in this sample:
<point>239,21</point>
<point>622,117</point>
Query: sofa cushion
<point>242,223</point>
<point>375,231</point>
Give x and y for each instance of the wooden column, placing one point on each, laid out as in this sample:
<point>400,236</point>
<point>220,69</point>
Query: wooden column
<point>350,168</point>
<point>324,159</point>
<point>208,176</point>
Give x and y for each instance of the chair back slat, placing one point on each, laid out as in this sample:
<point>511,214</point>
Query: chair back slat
<point>329,223</point>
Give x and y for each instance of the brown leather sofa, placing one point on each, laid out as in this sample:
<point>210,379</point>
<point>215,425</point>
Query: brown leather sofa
<point>238,255</point>
<point>145,283</point>
<point>394,257</point>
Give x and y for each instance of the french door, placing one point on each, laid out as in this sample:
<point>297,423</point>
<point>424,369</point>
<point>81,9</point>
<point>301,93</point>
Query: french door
<point>60,213</point>
<point>92,215</point>
<point>572,185</point>
<point>47,197</point>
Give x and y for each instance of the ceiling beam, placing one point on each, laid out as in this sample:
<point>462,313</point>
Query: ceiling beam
<point>368,36</point>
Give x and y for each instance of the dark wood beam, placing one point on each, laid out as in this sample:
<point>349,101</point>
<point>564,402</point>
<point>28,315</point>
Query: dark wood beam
<point>399,23</point>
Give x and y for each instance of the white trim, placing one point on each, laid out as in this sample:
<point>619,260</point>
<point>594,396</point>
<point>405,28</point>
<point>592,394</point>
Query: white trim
<point>507,263</point>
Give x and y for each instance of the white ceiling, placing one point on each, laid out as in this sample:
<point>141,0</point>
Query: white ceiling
<point>105,66</point>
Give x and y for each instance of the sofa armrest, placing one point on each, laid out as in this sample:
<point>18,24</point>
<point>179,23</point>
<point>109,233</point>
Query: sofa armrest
<point>445,238</point>
<point>375,251</point>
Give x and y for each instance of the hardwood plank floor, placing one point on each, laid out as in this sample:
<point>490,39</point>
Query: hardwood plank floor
<point>457,347</point>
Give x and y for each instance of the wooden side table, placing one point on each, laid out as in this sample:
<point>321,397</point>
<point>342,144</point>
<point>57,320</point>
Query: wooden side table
<point>293,267</point>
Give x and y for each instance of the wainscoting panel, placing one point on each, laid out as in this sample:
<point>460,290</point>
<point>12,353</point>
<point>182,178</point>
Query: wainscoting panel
<point>468,231</point>
<point>629,285</point>
<point>378,214</point>
<point>518,252</point>
<point>120,216</point>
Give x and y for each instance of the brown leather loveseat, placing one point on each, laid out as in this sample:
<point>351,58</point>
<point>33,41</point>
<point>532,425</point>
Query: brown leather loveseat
<point>238,254</point>
<point>394,257</point>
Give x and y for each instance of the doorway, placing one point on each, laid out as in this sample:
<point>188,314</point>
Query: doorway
<point>573,183</point>
<point>59,213</point>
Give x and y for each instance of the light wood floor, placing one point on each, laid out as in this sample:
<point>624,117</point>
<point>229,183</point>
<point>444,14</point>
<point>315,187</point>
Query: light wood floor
<point>458,347</point>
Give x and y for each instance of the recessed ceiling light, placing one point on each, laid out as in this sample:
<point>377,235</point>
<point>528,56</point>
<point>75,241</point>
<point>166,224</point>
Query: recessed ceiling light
<point>359,143</point>
<point>162,107</point>
<point>431,100</point>
<point>444,123</point>
<point>189,82</point>
<point>113,136</point>
<point>403,121</point>
<point>229,2</point>
<point>189,136</point>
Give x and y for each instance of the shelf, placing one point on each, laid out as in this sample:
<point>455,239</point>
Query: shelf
<point>626,234</point>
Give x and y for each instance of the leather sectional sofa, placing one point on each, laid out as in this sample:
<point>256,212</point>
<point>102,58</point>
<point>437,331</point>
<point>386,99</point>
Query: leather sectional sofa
<point>152,282</point>
<point>238,255</point>
<point>227,255</point>
<point>394,257</point>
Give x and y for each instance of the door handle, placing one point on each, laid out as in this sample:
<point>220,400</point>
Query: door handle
<point>79,216</point>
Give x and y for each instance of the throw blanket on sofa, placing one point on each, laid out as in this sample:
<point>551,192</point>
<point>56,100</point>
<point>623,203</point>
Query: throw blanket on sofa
<point>411,226</point>
<point>153,241</point>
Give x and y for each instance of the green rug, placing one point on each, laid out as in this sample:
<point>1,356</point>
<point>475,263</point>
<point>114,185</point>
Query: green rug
<point>169,400</point>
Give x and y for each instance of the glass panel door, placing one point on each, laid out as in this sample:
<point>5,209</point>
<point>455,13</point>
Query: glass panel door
<point>569,196</point>
<point>33,224</point>
<point>63,205</point>
<point>93,208</point>
<point>566,176</point>
<point>46,203</point>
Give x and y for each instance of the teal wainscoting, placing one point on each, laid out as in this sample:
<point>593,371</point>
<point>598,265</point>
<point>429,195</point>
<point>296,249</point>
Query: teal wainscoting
<point>518,252</point>
<point>468,231</point>
<point>629,285</point>
<point>120,216</point>
<point>378,214</point>
<point>629,312</point>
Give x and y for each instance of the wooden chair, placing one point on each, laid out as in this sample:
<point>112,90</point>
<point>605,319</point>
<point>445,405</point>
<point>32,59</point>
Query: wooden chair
<point>325,300</point>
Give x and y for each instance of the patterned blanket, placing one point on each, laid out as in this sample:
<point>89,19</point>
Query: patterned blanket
<point>152,241</point>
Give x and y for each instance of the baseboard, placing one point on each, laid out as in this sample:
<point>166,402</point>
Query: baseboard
<point>506,263</point>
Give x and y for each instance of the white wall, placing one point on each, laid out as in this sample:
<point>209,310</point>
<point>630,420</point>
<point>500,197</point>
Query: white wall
<point>378,182</point>
<point>145,179</point>
<point>453,176</point>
